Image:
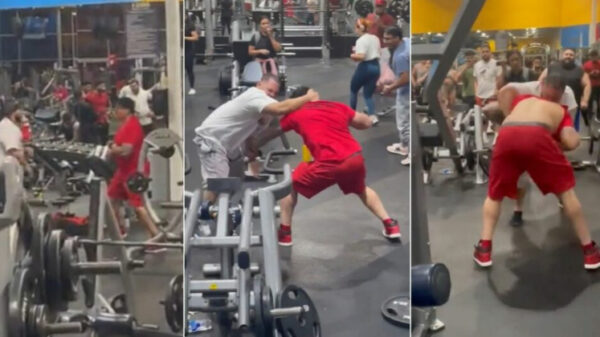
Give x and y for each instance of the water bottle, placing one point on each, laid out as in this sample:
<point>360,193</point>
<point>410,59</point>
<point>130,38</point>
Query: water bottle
<point>447,171</point>
<point>197,325</point>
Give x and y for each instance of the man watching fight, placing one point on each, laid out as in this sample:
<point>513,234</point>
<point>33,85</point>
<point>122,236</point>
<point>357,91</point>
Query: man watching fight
<point>221,135</point>
<point>141,98</point>
<point>125,151</point>
<point>575,78</point>
<point>100,102</point>
<point>531,139</point>
<point>380,20</point>
<point>592,68</point>
<point>324,127</point>
<point>487,76</point>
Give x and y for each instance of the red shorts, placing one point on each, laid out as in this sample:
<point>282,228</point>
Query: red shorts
<point>480,101</point>
<point>531,149</point>
<point>117,189</point>
<point>311,178</point>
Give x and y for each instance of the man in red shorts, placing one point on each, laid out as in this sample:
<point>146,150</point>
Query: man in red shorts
<point>125,150</point>
<point>532,139</point>
<point>324,127</point>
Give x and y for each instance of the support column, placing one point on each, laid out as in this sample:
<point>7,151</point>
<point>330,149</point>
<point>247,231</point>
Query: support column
<point>175,85</point>
<point>593,23</point>
<point>208,27</point>
<point>324,21</point>
<point>59,38</point>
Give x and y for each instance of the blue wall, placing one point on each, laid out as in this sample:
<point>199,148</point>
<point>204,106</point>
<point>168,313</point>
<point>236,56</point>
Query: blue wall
<point>17,4</point>
<point>574,36</point>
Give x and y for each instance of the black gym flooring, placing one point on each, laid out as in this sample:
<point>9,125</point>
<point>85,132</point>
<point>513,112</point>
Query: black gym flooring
<point>339,255</point>
<point>537,285</point>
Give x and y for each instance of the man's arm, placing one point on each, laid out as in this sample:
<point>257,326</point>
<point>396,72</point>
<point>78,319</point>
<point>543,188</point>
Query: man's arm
<point>289,105</point>
<point>569,139</point>
<point>543,75</point>
<point>276,45</point>
<point>19,154</point>
<point>587,90</point>
<point>361,121</point>
<point>120,150</point>
<point>506,96</point>
<point>194,36</point>
<point>403,79</point>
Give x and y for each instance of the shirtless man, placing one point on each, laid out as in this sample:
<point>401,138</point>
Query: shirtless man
<point>532,139</point>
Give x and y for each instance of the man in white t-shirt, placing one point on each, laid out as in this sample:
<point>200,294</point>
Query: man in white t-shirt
<point>10,135</point>
<point>487,73</point>
<point>235,124</point>
<point>142,99</point>
<point>535,88</point>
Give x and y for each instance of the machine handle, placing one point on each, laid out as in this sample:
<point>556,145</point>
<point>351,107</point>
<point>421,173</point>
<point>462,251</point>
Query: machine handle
<point>273,154</point>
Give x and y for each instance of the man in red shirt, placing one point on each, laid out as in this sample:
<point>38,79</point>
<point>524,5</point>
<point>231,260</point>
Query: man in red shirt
<point>380,20</point>
<point>126,151</point>
<point>100,102</point>
<point>324,127</point>
<point>592,67</point>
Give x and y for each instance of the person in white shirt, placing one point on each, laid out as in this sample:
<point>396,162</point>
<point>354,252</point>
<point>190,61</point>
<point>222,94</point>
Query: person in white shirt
<point>236,124</point>
<point>487,75</point>
<point>142,100</point>
<point>11,138</point>
<point>366,53</point>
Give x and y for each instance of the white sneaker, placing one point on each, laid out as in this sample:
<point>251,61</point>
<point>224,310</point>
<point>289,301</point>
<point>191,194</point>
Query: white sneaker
<point>405,161</point>
<point>397,148</point>
<point>374,120</point>
<point>192,91</point>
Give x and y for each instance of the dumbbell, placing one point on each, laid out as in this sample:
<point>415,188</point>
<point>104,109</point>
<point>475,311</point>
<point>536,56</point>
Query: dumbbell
<point>430,285</point>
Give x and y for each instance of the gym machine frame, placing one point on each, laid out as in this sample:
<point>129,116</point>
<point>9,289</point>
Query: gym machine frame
<point>424,319</point>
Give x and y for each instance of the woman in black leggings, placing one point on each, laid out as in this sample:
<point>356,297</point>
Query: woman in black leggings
<point>191,36</point>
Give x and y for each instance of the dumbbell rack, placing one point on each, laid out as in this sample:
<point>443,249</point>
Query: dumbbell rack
<point>252,298</point>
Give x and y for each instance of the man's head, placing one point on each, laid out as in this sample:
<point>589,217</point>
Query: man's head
<point>12,110</point>
<point>379,7</point>
<point>134,85</point>
<point>100,86</point>
<point>553,88</point>
<point>568,58</point>
<point>269,83</point>
<point>515,60</point>
<point>86,87</point>
<point>470,56</point>
<point>486,53</point>
<point>594,55</point>
<point>78,95</point>
<point>264,24</point>
<point>537,62</point>
<point>125,107</point>
<point>392,37</point>
<point>301,91</point>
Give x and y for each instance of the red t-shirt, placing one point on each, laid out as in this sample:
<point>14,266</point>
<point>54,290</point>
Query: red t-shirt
<point>129,133</point>
<point>99,102</point>
<point>61,93</point>
<point>565,122</point>
<point>378,24</point>
<point>323,126</point>
<point>593,69</point>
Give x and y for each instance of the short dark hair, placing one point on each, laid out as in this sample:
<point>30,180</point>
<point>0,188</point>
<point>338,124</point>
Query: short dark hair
<point>10,106</point>
<point>98,83</point>
<point>593,52</point>
<point>299,91</point>
<point>269,77</point>
<point>555,81</point>
<point>538,58</point>
<point>77,94</point>
<point>83,84</point>
<point>485,45</point>
<point>513,52</point>
<point>470,52</point>
<point>568,48</point>
<point>133,80</point>
<point>263,18</point>
<point>126,103</point>
<point>394,31</point>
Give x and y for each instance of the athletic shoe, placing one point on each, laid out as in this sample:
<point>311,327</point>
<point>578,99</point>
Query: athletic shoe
<point>392,231</point>
<point>375,120</point>
<point>591,257</point>
<point>405,161</point>
<point>192,91</point>
<point>285,236</point>
<point>517,219</point>
<point>482,256</point>
<point>397,148</point>
<point>123,231</point>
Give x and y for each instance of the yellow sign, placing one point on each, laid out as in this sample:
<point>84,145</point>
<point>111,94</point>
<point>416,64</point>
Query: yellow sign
<point>213,286</point>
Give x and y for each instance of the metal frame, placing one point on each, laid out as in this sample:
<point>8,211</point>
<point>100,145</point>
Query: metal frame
<point>424,319</point>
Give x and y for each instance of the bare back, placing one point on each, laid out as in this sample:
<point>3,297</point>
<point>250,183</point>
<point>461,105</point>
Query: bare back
<point>539,111</point>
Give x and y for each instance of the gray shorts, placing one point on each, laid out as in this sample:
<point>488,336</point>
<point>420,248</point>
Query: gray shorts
<point>213,159</point>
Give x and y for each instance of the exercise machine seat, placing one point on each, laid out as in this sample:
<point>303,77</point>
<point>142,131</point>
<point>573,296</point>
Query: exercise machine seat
<point>430,135</point>
<point>252,74</point>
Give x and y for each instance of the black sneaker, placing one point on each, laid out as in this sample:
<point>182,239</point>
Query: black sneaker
<point>517,219</point>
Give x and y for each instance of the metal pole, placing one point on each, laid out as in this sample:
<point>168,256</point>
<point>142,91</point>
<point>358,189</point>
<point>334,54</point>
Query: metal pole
<point>208,27</point>
<point>594,19</point>
<point>175,85</point>
<point>59,37</point>
<point>323,18</point>
<point>73,36</point>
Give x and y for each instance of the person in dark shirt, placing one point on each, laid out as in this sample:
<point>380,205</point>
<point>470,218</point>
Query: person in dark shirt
<point>191,37</point>
<point>264,47</point>
<point>592,68</point>
<point>516,73</point>
<point>226,14</point>
<point>84,114</point>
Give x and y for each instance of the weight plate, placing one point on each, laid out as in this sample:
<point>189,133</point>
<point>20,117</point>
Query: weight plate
<point>174,303</point>
<point>26,227</point>
<point>22,294</point>
<point>263,322</point>
<point>69,278</point>
<point>119,304</point>
<point>167,152</point>
<point>40,233</point>
<point>138,183</point>
<point>396,310</point>
<point>469,153</point>
<point>306,324</point>
<point>53,268</point>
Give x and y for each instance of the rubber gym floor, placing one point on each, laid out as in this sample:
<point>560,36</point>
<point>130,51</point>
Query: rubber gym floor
<point>339,255</point>
<point>537,285</point>
<point>150,282</point>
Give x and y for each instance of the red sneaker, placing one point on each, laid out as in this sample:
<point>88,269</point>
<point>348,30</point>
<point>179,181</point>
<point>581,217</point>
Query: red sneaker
<point>123,231</point>
<point>483,256</point>
<point>285,236</point>
<point>392,230</point>
<point>591,257</point>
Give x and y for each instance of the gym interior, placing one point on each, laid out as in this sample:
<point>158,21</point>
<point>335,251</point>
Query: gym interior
<point>70,268</point>
<point>345,269</point>
<point>537,285</point>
